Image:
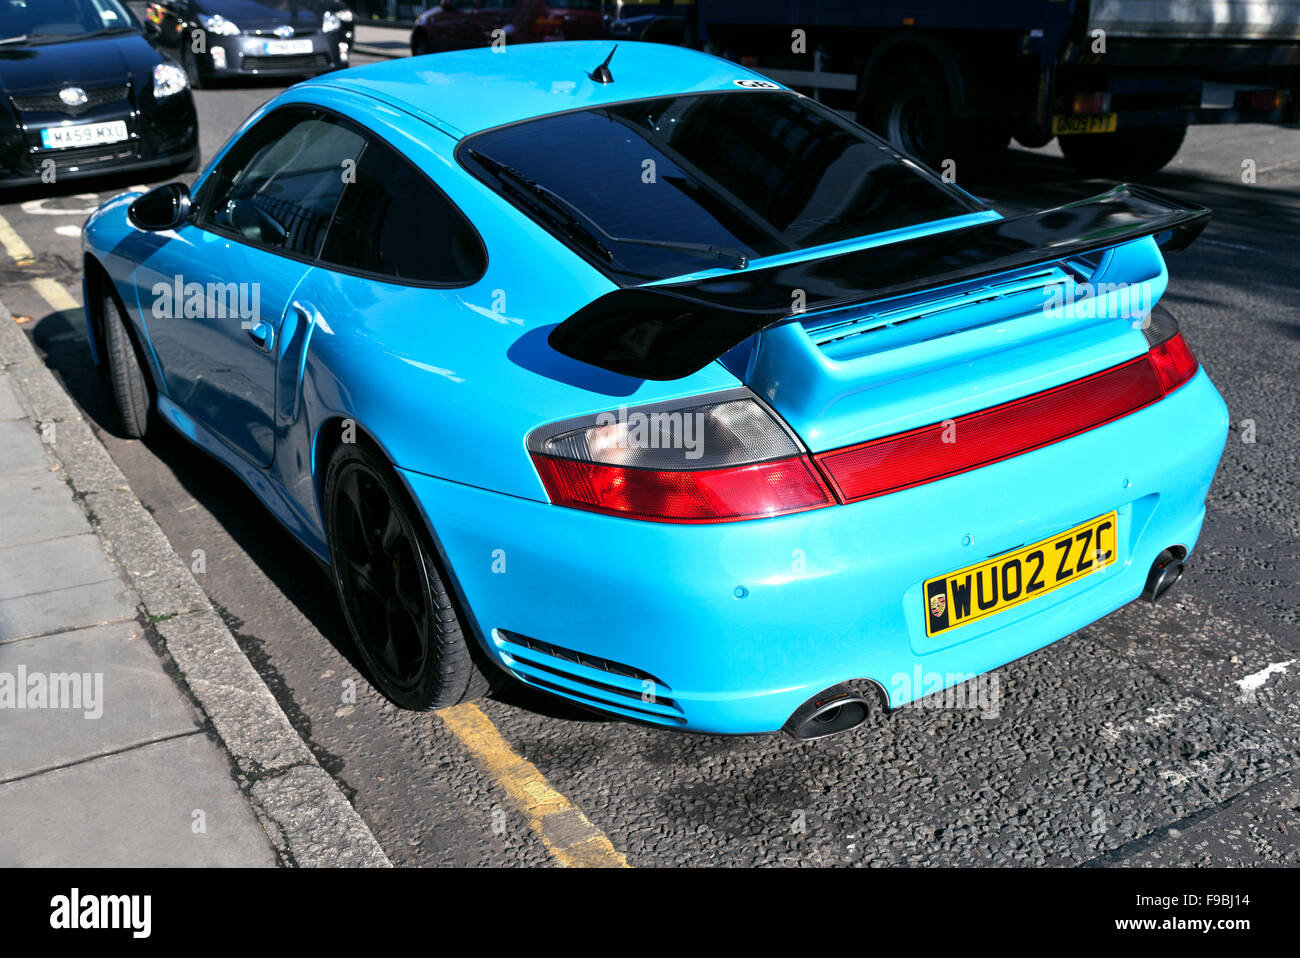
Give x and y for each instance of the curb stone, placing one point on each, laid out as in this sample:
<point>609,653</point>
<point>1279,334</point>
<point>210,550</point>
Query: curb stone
<point>306,815</point>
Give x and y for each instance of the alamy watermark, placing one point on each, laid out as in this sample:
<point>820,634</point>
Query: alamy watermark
<point>630,429</point>
<point>74,911</point>
<point>1101,300</point>
<point>75,691</point>
<point>948,690</point>
<point>181,300</point>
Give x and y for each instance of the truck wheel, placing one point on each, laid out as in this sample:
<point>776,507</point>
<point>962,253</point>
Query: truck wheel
<point>1124,153</point>
<point>909,107</point>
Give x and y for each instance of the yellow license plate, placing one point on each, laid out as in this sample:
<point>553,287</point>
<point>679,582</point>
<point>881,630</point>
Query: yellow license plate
<point>1015,577</point>
<point>1099,123</point>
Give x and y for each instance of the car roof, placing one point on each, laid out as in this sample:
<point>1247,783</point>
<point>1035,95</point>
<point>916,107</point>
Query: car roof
<point>467,91</point>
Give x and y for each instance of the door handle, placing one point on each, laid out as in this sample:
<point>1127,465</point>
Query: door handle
<point>262,335</point>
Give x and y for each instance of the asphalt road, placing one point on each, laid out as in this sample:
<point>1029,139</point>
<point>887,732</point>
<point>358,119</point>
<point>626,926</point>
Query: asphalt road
<point>1130,742</point>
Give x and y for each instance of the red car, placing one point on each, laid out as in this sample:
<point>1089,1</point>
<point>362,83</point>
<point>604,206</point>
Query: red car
<point>461,24</point>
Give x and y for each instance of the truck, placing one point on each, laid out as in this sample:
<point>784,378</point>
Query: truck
<point>1117,82</point>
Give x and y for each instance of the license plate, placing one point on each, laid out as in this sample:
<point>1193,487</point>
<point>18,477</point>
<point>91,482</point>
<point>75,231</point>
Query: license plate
<point>84,134</point>
<point>1013,578</point>
<point>277,48</point>
<point>1100,123</point>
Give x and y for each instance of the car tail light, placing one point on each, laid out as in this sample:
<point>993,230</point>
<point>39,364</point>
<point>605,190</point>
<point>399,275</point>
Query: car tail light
<point>1169,352</point>
<point>730,458</point>
<point>693,462</point>
<point>991,435</point>
<point>1263,101</point>
<point>1090,103</point>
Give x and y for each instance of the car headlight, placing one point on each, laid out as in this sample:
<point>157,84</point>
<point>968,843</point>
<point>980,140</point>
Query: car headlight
<point>218,24</point>
<point>333,19</point>
<point>168,78</point>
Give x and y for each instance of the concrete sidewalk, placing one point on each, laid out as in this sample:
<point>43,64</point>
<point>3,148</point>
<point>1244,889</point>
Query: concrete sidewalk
<point>102,760</point>
<point>133,730</point>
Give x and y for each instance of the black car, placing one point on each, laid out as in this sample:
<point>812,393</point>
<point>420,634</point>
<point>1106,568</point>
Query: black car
<point>82,92</point>
<point>228,38</point>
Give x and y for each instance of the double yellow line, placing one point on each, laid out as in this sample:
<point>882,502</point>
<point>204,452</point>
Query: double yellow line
<point>567,833</point>
<point>48,289</point>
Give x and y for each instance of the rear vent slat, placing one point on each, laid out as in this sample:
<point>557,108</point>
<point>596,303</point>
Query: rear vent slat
<point>916,319</point>
<point>569,672</point>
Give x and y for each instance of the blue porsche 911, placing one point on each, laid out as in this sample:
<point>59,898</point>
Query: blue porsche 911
<point>659,387</point>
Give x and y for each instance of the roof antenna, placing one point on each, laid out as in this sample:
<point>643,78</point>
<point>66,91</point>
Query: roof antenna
<point>601,74</point>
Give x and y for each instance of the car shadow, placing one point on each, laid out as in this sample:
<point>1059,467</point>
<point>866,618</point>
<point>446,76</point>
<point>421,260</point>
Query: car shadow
<point>289,566</point>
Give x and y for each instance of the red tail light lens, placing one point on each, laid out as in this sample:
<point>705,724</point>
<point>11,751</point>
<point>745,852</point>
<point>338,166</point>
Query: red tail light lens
<point>990,435</point>
<point>774,488</point>
<point>1173,362</point>
<point>742,463</point>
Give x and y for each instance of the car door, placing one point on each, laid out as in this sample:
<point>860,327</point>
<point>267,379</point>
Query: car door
<point>392,274</point>
<point>215,294</point>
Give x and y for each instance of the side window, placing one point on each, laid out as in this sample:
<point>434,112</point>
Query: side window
<point>393,221</point>
<point>278,186</point>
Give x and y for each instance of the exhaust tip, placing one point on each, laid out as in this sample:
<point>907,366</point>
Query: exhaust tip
<point>1165,572</point>
<point>834,710</point>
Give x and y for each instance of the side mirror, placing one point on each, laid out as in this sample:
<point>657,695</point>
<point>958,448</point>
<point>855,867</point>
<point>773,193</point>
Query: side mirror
<point>164,208</point>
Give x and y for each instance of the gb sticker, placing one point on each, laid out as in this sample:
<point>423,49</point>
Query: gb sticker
<point>757,84</point>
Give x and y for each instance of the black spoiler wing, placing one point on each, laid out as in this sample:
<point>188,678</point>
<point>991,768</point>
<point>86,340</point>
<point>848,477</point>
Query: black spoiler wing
<point>673,330</point>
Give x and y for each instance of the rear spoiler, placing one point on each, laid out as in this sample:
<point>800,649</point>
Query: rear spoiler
<point>672,330</point>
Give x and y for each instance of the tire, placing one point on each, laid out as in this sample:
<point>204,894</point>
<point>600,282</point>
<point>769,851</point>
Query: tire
<point>909,106</point>
<point>1125,153</point>
<point>398,609</point>
<point>419,45</point>
<point>126,374</point>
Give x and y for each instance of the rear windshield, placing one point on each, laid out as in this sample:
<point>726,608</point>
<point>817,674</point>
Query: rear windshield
<point>702,180</point>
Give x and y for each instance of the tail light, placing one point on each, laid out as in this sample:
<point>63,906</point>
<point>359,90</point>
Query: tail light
<point>990,435</point>
<point>1263,101</point>
<point>1168,351</point>
<point>729,458</point>
<point>692,462</point>
<point>1090,103</point>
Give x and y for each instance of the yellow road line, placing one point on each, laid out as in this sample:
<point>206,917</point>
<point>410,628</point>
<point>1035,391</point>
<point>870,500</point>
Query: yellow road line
<point>564,830</point>
<point>54,294</point>
<point>18,250</point>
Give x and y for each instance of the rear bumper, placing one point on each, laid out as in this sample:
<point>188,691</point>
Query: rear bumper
<point>728,628</point>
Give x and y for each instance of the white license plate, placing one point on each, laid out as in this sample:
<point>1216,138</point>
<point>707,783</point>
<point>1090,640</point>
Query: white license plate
<point>275,48</point>
<point>83,134</point>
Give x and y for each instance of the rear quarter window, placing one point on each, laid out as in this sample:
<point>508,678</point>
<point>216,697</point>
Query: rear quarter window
<point>393,221</point>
